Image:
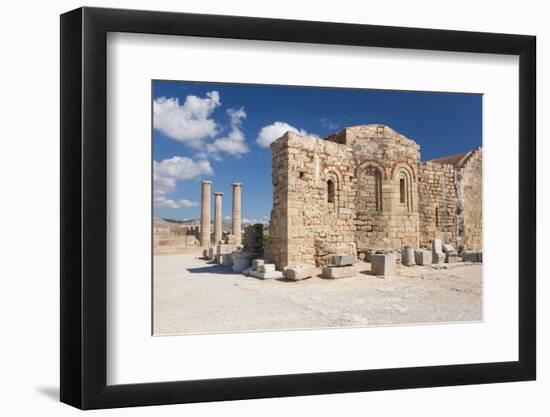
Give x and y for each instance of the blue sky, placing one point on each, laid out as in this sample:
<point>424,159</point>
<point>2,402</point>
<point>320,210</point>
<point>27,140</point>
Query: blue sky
<point>222,132</point>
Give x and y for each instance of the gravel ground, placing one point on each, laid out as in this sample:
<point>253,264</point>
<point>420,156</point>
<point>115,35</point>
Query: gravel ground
<point>192,295</point>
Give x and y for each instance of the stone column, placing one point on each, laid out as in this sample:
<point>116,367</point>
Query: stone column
<point>236,215</point>
<point>205,213</point>
<point>217,217</point>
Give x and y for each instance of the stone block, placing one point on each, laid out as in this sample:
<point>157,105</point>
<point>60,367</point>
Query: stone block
<point>241,261</point>
<point>266,268</point>
<point>223,248</point>
<point>332,271</point>
<point>480,256</point>
<point>423,257</point>
<point>383,264</point>
<point>343,260</point>
<point>205,253</point>
<point>438,257</point>
<point>266,275</point>
<point>407,255</point>
<point>218,259</point>
<point>448,248</point>
<point>451,257</point>
<point>227,259</point>
<point>256,263</point>
<point>437,246</point>
<point>211,253</point>
<point>469,256</point>
<point>299,272</point>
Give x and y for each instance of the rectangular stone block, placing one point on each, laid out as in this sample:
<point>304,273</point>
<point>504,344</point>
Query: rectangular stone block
<point>227,259</point>
<point>438,257</point>
<point>266,268</point>
<point>299,272</point>
<point>448,248</point>
<point>469,256</point>
<point>256,263</point>
<point>223,248</point>
<point>451,257</point>
<point>266,275</point>
<point>437,246</point>
<point>480,256</point>
<point>343,260</point>
<point>211,253</point>
<point>332,271</point>
<point>383,264</point>
<point>423,257</point>
<point>205,253</point>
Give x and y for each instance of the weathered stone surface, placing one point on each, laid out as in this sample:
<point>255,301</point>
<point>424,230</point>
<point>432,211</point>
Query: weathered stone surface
<point>241,261</point>
<point>218,259</point>
<point>451,257</point>
<point>343,260</point>
<point>205,253</point>
<point>448,248</point>
<point>480,256</point>
<point>211,253</point>
<point>266,268</point>
<point>366,188</point>
<point>253,238</point>
<point>332,271</point>
<point>256,263</point>
<point>298,272</point>
<point>224,248</point>
<point>469,256</point>
<point>438,257</point>
<point>227,259</point>
<point>266,275</point>
<point>437,246</point>
<point>423,257</point>
<point>407,256</point>
<point>383,264</point>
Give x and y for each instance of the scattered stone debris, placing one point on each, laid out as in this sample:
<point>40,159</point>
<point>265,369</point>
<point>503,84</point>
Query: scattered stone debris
<point>299,272</point>
<point>423,257</point>
<point>407,256</point>
<point>383,264</point>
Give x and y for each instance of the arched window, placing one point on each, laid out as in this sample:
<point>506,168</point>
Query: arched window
<point>331,191</point>
<point>402,191</point>
<point>405,188</point>
<point>373,188</point>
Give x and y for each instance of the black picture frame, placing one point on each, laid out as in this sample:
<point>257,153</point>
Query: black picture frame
<point>84,207</point>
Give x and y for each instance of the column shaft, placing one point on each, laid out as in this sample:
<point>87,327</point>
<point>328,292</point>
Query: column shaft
<point>205,213</point>
<point>236,214</point>
<point>217,218</point>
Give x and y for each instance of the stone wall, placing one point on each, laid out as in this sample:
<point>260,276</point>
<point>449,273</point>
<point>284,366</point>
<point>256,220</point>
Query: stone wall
<point>469,178</point>
<point>437,202</point>
<point>364,188</point>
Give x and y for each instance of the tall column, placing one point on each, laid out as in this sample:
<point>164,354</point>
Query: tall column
<point>205,213</point>
<point>236,215</point>
<point>217,217</point>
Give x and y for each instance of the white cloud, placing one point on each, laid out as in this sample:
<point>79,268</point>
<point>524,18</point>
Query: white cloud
<point>270,133</point>
<point>264,220</point>
<point>189,123</point>
<point>329,124</point>
<point>161,201</point>
<point>166,174</point>
<point>234,142</point>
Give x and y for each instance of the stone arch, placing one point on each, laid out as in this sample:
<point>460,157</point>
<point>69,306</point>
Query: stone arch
<point>405,190</point>
<point>373,187</point>
<point>372,162</point>
<point>332,182</point>
<point>403,164</point>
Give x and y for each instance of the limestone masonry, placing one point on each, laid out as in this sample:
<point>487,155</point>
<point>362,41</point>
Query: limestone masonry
<point>365,189</point>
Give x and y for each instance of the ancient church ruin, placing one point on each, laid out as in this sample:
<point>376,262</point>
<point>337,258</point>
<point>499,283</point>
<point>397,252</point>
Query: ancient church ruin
<point>365,188</point>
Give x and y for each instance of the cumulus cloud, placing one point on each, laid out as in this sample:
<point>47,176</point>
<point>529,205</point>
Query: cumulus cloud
<point>166,174</point>
<point>270,133</point>
<point>189,122</point>
<point>263,220</point>
<point>161,201</point>
<point>234,143</point>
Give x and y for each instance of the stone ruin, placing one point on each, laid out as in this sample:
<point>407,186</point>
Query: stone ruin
<point>365,190</point>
